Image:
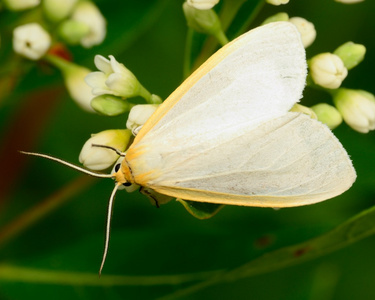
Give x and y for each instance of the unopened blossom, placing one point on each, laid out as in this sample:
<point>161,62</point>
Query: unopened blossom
<point>99,158</point>
<point>357,107</point>
<point>87,13</point>
<point>72,31</point>
<point>327,114</point>
<point>110,105</point>
<point>31,41</point>
<point>351,54</point>
<point>204,21</point>
<point>74,79</point>
<point>281,16</point>
<point>327,70</point>
<point>57,10</point>
<point>138,116</point>
<point>306,29</point>
<point>202,4</point>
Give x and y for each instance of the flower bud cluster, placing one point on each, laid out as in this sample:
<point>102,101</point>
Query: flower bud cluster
<point>76,22</point>
<point>327,71</point>
<point>355,107</point>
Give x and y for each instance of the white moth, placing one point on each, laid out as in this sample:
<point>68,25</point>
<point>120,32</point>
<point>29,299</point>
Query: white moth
<point>226,134</point>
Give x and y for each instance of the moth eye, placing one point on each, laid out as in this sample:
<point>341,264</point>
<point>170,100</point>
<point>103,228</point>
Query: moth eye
<point>127,184</point>
<point>117,167</point>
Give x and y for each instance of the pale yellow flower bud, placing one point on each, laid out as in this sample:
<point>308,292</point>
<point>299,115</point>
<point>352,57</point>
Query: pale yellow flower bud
<point>138,116</point>
<point>282,16</point>
<point>351,54</point>
<point>204,21</point>
<point>357,107</point>
<point>57,10</point>
<point>110,105</point>
<point>74,78</point>
<point>327,114</point>
<point>98,158</point>
<point>327,70</point>
<point>86,12</point>
<point>306,29</point>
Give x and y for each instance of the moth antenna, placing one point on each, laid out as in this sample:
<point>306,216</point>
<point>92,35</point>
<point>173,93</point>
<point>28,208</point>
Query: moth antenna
<point>63,162</point>
<point>108,227</point>
<point>109,147</point>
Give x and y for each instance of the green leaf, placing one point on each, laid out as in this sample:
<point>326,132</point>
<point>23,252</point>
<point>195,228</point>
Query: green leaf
<point>201,210</point>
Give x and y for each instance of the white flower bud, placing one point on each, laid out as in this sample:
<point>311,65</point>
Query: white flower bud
<point>357,107</point>
<point>306,29</point>
<point>327,70</point>
<point>138,116</point>
<point>202,4</point>
<point>277,2</point>
<point>16,5</point>
<point>327,114</point>
<point>31,41</point>
<point>74,78</point>
<point>114,78</point>
<point>87,13</point>
<point>57,10</point>
<point>77,87</point>
<point>98,158</point>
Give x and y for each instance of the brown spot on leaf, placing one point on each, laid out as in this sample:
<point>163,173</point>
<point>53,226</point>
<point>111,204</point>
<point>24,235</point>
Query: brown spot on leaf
<point>301,251</point>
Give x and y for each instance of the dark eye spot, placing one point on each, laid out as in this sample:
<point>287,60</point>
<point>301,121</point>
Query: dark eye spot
<point>127,184</point>
<point>117,167</point>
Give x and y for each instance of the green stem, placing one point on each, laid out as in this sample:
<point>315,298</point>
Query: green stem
<point>40,276</point>
<point>57,61</point>
<point>221,37</point>
<point>145,94</point>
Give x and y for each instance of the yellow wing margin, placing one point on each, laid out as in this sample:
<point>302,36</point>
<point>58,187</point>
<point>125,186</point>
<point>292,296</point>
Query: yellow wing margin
<point>243,200</point>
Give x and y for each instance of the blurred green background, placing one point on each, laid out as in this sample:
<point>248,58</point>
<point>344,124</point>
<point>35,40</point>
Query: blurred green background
<point>149,38</point>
